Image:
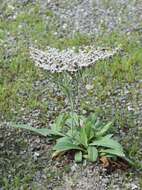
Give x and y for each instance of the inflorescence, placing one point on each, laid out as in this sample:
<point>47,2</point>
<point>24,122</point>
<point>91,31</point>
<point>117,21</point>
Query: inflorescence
<point>55,60</point>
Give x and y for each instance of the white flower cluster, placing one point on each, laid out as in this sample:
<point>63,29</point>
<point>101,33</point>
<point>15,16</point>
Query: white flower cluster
<point>55,60</point>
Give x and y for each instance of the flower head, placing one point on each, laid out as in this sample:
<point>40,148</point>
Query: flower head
<point>55,60</point>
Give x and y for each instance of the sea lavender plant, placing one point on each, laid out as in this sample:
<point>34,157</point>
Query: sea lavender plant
<point>86,136</point>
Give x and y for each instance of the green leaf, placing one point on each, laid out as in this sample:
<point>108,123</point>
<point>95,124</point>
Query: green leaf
<point>92,153</point>
<point>59,122</point>
<point>57,133</point>
<point>64,139</point>
<point>74,135</point>
<point>43,131</point>
<point>107,142</point>
<point>65,145</point>
<point>78,156</point>
<point>88,130</point>
<point>104,129</point>
<point>83,137</point>
<point>97,125</point>
<point>117,152</point>
<point>92,118</point>
<point>73,120</point>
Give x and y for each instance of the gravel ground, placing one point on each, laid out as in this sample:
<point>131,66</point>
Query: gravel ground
<point>96,17</point>
<point>92,17</point>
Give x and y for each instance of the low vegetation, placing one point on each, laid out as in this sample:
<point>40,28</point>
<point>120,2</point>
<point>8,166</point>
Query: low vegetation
<point>86,136</point>
<point>114,94</point>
